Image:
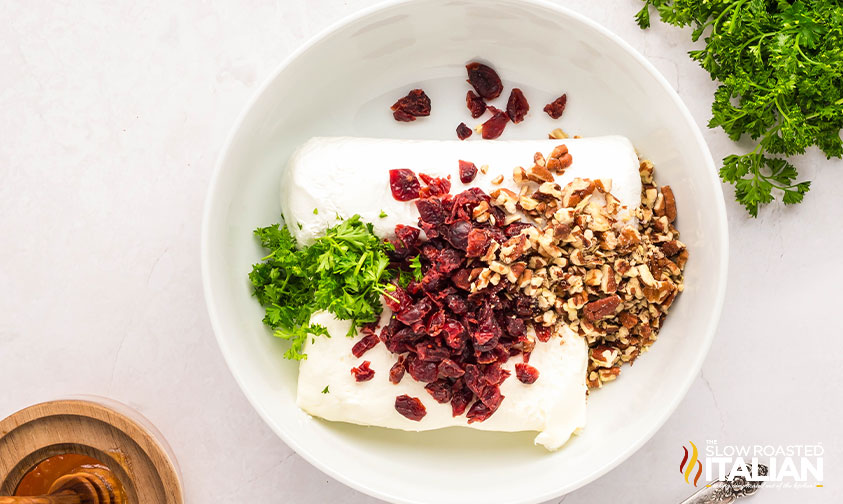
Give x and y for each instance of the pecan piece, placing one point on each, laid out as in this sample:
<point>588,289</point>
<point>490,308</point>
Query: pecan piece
<point>602,308</point>
<point>669,203</point>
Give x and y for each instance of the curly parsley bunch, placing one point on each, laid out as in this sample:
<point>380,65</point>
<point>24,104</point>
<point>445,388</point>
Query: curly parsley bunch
<point>780,67</point>
<point>345,272</point>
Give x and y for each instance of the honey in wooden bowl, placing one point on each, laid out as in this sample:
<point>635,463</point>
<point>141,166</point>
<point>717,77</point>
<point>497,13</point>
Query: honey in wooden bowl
<point>52,472</point>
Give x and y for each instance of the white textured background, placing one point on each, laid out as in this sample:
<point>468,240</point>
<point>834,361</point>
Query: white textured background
<point>111,116</point>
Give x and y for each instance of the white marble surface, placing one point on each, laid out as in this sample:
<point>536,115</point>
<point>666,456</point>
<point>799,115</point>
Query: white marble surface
<point>111,116</point>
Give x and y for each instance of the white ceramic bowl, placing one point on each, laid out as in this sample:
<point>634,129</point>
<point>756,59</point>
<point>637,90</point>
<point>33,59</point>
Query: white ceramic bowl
<point>342,83</point>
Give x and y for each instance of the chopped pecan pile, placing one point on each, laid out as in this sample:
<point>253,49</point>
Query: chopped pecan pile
<point>605,271</point>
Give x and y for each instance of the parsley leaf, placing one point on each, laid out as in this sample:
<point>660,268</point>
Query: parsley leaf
<point>382,215</point>
<point>344,272</point>
<point>780,70</point>
<point>325,390</point>
<point>415,265</point>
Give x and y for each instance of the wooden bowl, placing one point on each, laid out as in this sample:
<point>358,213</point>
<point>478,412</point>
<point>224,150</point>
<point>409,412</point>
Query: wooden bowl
<point>106,430</point>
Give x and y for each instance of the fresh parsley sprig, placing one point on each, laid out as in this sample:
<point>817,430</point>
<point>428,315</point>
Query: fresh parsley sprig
<point>344,272</point>
<point>780,67</point>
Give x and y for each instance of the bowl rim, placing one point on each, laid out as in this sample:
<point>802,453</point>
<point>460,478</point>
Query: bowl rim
<point>719,210</point>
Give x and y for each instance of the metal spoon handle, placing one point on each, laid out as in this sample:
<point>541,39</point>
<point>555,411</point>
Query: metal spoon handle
<point>718,492</point>
<point>727,491</point>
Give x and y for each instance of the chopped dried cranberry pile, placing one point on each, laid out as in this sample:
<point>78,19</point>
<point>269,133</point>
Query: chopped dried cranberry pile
<point>444,335</point>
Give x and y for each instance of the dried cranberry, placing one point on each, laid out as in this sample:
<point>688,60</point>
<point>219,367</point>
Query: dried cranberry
<point>478,412</point>
<point>415,104</point>
<point>517,106</point>
<point>432,352</point>
<point>455,335</point>
<point>420,370</point>
<point>491,397</point>
<point>526,373</point>
<point>515,327</point>
<point>543,333</point>
<point>396,372</point>
<point>493,127</point>
<point>414,313</point>
<point>435,186</point>
<point>480,338</point>
<point>440,390</point>
<point>474,379</point>
<point>450,369</point>
<point>524,306</point>
<point>494,374</point>
<point>502,353</point>
<point>477,242</point>
<point>475,104</point>
<point>486,357</point>
<point>397,300</point>
<point>463,131</point>
<point>555,108</point>
<point>467,171</point>
<point>460,399</point>
<point>449,260</point>
<point>435,324</point>
<point>460,279</point>
<point>515,228</point>
<point>456,304</point>
<point>432,280</point>
<point>364,345</point>
<point>363,372</point>
<point>458,234</point>
<point>404,184</point>
<point>484,80</point>
<point>431,211</point>
<point>410,407</point>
